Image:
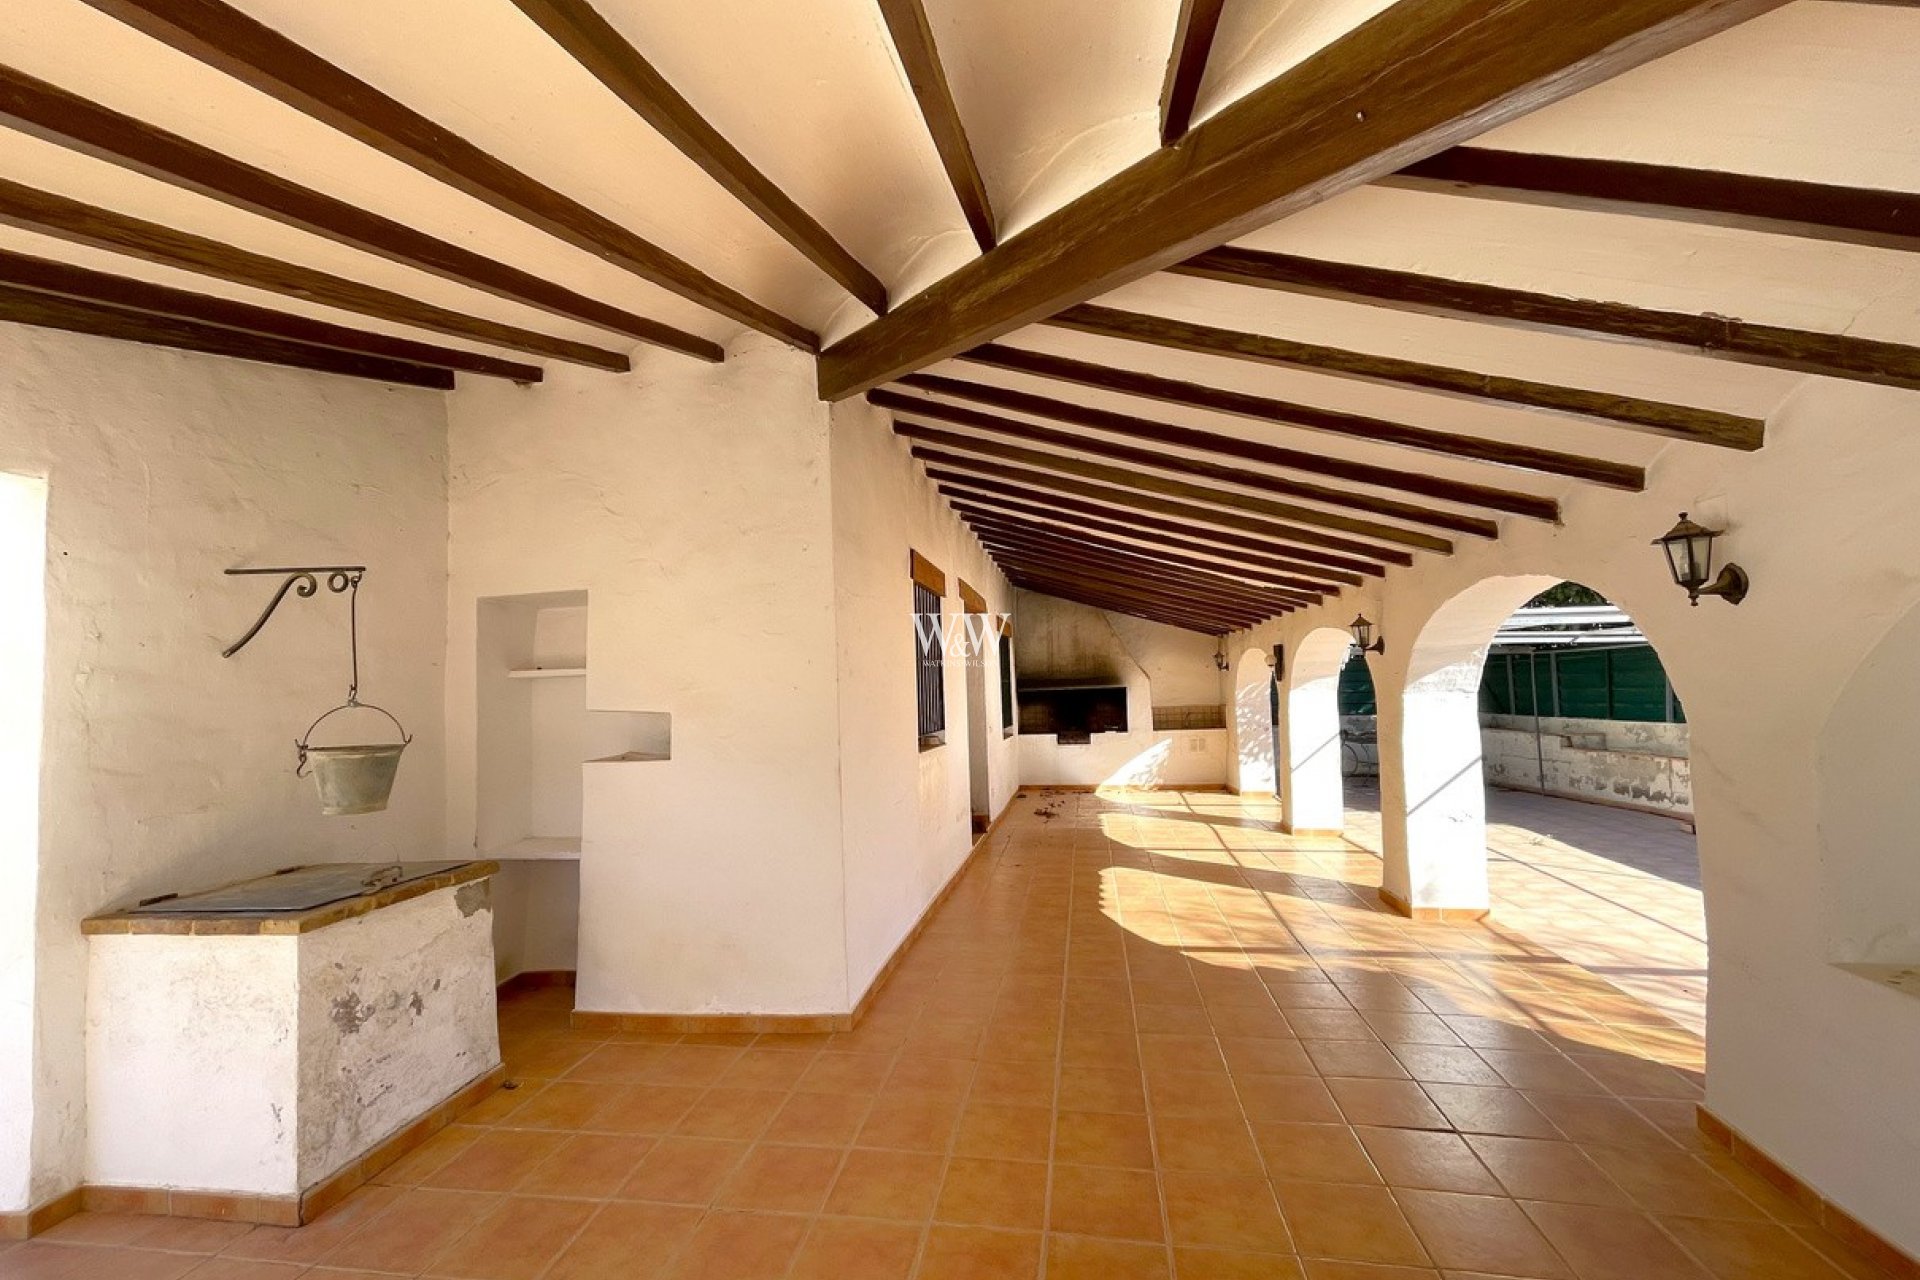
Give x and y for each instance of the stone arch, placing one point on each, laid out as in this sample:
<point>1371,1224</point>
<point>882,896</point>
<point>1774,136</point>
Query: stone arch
<point>1312,799</point>
<point>1250,723</point>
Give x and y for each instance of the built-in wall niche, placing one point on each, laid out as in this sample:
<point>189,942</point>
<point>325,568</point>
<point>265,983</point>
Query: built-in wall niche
<point>534,731</point>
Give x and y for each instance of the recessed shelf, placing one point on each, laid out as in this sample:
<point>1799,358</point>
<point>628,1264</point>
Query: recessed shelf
<point>633,757</point>
<point>544,673</point>
<point>540,849</point>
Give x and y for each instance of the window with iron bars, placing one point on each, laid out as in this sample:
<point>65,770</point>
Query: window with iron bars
<point>1007,723</point>
<point>929,667</point>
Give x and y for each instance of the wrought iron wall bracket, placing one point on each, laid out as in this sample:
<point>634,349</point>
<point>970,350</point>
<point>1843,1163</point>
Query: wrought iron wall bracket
<point>303,581</point>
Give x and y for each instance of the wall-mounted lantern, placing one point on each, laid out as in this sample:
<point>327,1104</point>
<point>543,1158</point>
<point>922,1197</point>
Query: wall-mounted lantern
<point>1220,654</point>
<point>1277,660</point>
<point>1363,636</point>
<point>1689,550</point>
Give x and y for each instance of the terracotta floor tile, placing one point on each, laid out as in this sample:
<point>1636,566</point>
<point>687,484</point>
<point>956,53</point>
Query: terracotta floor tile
<point>979,1253</point>
<point>1354,1058</point>
<point>1531,1169</point>
<point>1299,1099</point>
<point>887,1184</point>
<point>910,1122</point>
<point>1612,1244</point>
<point>1267,1057</point>
<point>517,1240</point>
<point>832,1072</point>
<point>1218,1264</point>
<point>1446,1064</point>
<point>1354,1224</point>
<point>781,1179</point>
<point>647,1108</point>
<point>1102,1089</point>
<point>1081,1258</point>
<point>818,1119</point>
<point>1749,1250</point>
<point>1473,1109</point>
<point>191,1235</point>
<point>1015,1084</point>
<point>412,1230</point>
<point>995,1193</point>
<point>758,1068</point>
<point>1314,1153</point>
<point>1224,1211</point>
<point>738,1245</point>
<point>1424,1160</point>
<point>588,1165</point>
<point>1217,1144</point>
<point>721,1112</point>
<point>309,1243</point>
<point>844,1249</point>
<point>1329,1269</point>
<point>683,1170</point>
<point>1003,1132</point>
<point>1092,1201</point>
<point>44,1260</point>
<point>627,1241</point>
<point>1480,1233</point>
<point>1671,1181</point>
<point>240,1269</point>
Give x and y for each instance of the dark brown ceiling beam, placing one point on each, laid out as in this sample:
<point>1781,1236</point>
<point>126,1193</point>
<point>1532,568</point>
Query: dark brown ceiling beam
<point>577,27</point>
<point>1089,517</point>
<point>1716,337</point>
<point>1680,422</point>
<point>1143,586</point>
<point>1193,32</point>
<point>1391,535</point>
<point>1059,575</point>
<point>1472,526</point>
<point>1286,413</point>
<point>1509,501</point>
<point>913,40</point>
<point>1747,202</point>
<point>49,311</point>
<point>1414,79</point>
<point>77,223</point>
<point>61,279</point>
<point>1145,565</point>
<point>51,113</point>
<point>1130,609</point>
<point>960,468</point>
<point>222,36</point>
<point>1157,549</point>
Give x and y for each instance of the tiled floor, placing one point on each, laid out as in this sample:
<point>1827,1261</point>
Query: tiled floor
<point>1615,891</point>
<point>1146,1036</point>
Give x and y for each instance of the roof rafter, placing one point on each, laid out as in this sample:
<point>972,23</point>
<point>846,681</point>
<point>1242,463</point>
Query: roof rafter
<point>1132,609</point>
<point>79,223</point>
<point>913,41</point>
<point>1193,33</point>
<point>1681,422</point>
<point>222,36</point>
<point>1167,594</point>
<point>1716,337</point>
<point>1333,121</point>
<point>1779,206</point>
<point>1059,580</point>
<point>579,28</point>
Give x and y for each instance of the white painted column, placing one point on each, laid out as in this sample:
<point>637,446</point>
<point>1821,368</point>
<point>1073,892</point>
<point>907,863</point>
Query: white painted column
<point>1252,713</point>
<point>1310,780</point>
<point>1433,798</point>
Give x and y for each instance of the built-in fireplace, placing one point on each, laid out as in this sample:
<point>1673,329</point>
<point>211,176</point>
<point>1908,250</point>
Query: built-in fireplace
<point>1073,710</point>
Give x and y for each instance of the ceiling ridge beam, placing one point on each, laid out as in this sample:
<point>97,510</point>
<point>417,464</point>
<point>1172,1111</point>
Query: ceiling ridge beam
<point>66,119</point>
<point>1288,413</point>
<point>1062,513</point>
<point>1413,79</point>
<point>1304,544</point>
<point>1454,522</point>
<point>1391,535</point>
<point>1880,219</point>
<point>1509,501</point>
<point>79,223</point>
<point>1715,337</point>
<point>82,284</point>
<point>1654,417</point>
<point>1145,564</point>
<point>1193,31</point>
<point>1139,524</point>
<point>919,55</point>
<point>51,311</point>
<point>255,54</point>
<point>593,42</point>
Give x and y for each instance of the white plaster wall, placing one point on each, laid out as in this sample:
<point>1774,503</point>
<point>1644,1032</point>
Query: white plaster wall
<point>1809,1061</point>
<point>692,503</point>
<point>1619,761</point>
<point>23,634</point>
<point>906,811</point>
<point>164,766</point>
<point>192,1067</point>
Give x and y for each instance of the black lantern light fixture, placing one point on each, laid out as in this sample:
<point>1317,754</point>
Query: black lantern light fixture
<point>1363,636</point>
<point>1220,654</point>
<point>1689,549</point>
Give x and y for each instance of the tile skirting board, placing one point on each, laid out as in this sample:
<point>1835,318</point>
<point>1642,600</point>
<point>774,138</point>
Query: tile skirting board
<point>795,1023</point>
<point>1432,915</point>
<point>1837,1222</point>
<point>264,1210</point>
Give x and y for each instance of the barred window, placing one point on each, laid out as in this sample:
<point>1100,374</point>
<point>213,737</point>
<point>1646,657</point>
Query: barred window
<point>1006,683</point>
<point>929,666</point>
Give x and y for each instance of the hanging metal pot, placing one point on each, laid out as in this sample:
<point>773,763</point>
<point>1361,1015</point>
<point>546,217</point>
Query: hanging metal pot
<point>356,778</point>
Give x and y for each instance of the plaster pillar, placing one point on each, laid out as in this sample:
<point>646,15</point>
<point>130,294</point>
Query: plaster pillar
<point>1312,800</point>
<point>1252,720</point>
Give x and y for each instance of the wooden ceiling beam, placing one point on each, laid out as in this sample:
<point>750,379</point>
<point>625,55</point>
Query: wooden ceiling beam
<point>1343,499</point>
<point>1747,202</point>
<point>960,468</point>
<point>1390,535</point>
<point>913,41</point>
<point>1144,562</point>
<point>1830,355</point>
<point>1193,33</point>
<point>1124,593</point>
<point>54,115</point>
<point>1093,600</point>
<point>1088,517</point>
<point>1674,421</point>
<point>81,284</point>
<point>64,219</point>
<point>1414,79</point>
<point>1509,501</point>
<point>1286,413</point>
<point>223,37</point>
<point>51,311</point>
<point>593,42</point>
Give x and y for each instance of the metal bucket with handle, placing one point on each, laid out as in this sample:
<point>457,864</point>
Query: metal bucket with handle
<point>355,778</point>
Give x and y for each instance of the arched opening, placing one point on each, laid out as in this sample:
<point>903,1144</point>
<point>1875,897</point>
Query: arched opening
<point>1251,721</point>
<point>1311,741</point>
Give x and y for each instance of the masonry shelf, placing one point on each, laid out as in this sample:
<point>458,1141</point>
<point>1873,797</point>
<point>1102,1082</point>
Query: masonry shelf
<point>540,849</point>
<point>544,673</point>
